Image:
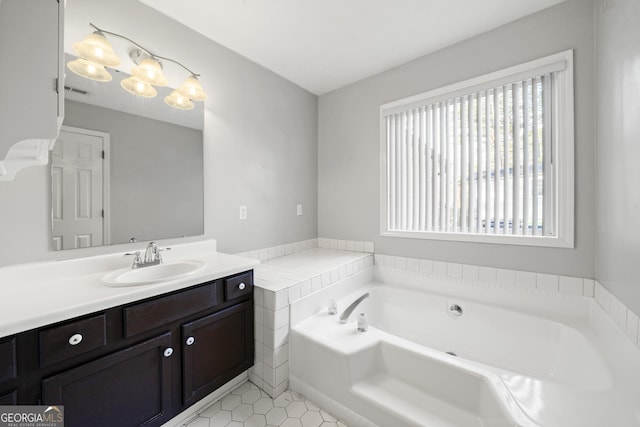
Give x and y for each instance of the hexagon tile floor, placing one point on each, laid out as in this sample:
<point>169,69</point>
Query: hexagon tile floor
<point>248,406</point>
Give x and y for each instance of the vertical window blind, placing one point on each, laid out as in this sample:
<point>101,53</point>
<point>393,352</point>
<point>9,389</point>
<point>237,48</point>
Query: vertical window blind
<point>479,162</point>
<point>489,159</point>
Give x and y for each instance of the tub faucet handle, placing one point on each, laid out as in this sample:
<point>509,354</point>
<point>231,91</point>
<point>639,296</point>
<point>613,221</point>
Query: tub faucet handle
<point>363,326</point>
<point>333,307</point>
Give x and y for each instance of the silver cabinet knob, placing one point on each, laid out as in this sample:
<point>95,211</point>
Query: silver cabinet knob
<point>455,310</point>
<point>75,339</point>
<point>241,286</point>
<point>168,352</point>
<point>190,340</point>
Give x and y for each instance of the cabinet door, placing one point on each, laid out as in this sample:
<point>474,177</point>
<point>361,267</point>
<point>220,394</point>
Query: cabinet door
<point>216,348</point>
<point>131,387</point>
<point>8,367</point>
<point>10,398</point>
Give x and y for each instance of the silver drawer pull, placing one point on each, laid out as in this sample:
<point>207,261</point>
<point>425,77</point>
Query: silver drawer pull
<point>75,339</point>
<point>168,352</point>
<point>190,340</point>
<point>455,310</point>
<point>241,286</point>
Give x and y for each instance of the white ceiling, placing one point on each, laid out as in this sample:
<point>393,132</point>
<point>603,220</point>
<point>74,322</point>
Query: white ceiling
<point>322,45</point>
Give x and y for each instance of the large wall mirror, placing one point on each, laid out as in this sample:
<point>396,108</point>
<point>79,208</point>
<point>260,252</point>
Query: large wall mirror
<point>149,186</point>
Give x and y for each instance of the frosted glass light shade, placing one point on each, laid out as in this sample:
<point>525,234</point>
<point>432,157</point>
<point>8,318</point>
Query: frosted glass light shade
<point>150,71</point>
<point>179,101</point>
<point>137,87</point>
<point>89,70</point>
<point>192,89</point>
<point>97,49</point>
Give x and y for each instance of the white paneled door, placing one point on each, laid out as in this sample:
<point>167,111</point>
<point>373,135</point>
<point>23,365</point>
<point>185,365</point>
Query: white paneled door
<point>78,189</point>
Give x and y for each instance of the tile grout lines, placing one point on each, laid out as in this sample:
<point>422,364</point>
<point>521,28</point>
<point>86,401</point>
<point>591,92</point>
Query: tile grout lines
<point>248,406</point>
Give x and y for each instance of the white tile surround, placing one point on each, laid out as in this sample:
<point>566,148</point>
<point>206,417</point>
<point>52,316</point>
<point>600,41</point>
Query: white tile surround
<point>293,271</point>
<point>288,273</point>
<point>267,254</point>
<point>624,318</point>
<point>524,281</point>
<point>491,276</point>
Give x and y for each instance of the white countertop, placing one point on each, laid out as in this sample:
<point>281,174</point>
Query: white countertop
<point>280,273</point>
<point>37,294</point>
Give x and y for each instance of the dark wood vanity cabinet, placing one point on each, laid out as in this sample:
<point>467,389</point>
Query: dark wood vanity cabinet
<point>213,348</point>
<point>139,364</point>
<point>131,387</point>
<point>8,371</point>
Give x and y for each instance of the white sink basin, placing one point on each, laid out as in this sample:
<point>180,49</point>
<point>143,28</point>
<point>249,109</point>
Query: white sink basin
<point>153,274</point>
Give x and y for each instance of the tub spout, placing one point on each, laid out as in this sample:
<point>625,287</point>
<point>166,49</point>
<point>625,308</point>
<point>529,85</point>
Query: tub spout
<point>344,317</point>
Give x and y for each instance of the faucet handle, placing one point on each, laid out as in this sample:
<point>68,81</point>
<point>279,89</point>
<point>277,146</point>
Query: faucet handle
<point>137,260</point>
<point>158,256</point>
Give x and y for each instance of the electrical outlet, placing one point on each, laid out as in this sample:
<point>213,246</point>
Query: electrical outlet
<point>299,210</point>
<point>243,212</point>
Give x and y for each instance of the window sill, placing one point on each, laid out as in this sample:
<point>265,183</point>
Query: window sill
<point>500,239</point>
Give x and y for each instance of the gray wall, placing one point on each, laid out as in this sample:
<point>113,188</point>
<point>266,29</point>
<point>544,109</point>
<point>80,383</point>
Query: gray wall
<point>260,147</point>
<point>156,173</point>
<point>25,212</point>
<point>618,150</point>
<point>348,140</point>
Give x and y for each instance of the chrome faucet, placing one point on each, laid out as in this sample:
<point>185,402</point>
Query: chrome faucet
<point>344,317</point>
<point>151,256</point>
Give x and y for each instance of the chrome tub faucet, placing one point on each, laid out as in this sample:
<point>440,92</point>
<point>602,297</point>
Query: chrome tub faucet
<point>344,317</point>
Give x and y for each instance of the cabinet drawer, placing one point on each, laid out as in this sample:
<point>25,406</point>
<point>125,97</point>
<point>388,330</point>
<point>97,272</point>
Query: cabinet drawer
<point>72,339</point>
<point>164,310</point>
<point>8,359</point>
<point>239,285</point>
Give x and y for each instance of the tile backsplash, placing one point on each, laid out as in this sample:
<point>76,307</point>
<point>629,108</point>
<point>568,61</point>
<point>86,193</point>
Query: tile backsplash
<point>626,320</point>
<point>345,245</point>
<point>491,276</point>
<point>266,254</point>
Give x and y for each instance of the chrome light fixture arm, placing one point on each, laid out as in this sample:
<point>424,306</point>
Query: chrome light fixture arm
<point>147,51</point>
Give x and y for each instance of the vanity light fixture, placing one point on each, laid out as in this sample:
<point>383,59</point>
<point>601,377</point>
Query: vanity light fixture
<point>192,89</point>
<point>135,86</point>
<point>89,70</point>
<point>97,49</point>
<point>95,53</point>
<point>149,70</point>
<point>179,101</point>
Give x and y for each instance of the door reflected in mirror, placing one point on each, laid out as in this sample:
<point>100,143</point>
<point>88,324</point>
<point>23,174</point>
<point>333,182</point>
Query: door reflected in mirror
<point>148,186</point>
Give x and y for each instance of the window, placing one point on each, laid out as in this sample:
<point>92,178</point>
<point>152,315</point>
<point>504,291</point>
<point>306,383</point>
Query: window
<point>488,160</point>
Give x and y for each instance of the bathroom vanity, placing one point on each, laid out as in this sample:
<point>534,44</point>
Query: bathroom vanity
<point>140,362</point>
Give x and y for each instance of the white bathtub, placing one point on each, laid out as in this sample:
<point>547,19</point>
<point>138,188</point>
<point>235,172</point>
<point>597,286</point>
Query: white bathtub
<point>533,346</point>
<point>540,363</point>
